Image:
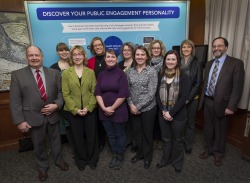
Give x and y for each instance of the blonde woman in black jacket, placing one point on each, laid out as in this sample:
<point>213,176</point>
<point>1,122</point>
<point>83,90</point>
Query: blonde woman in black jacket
<point>192,68</point>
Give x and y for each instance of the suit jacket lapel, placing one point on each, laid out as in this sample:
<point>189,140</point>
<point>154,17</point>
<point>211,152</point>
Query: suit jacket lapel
<point>84,76</point>
<point>47,81</point>
<point>32,79</point>
<point>208,71</point>
<point>74,76</point>
<point>223,70</point>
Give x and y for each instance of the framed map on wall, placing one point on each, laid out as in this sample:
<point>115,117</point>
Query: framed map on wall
<point>13,41</point>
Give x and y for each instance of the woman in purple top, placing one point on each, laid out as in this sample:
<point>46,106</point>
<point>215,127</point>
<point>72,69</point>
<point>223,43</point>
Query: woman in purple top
<point>111,92</point>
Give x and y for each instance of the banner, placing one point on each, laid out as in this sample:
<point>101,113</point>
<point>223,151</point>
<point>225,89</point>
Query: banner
<point>76,23</point>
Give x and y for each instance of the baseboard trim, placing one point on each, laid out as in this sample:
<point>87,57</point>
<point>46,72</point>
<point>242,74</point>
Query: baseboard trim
<point>9,145</point>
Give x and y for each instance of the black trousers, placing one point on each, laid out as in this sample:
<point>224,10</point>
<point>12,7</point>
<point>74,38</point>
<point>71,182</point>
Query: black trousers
<point>172,136</point>
<point>215,129</point>
<point>143,125</point>
<point>157,128</point>
<point>84,131</point>
<point>190,126</point>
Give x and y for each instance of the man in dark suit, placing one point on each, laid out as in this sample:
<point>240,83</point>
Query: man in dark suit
<point>222,90</point>
<point>36,111</point>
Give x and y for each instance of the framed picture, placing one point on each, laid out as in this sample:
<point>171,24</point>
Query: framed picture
<point>14,39</point>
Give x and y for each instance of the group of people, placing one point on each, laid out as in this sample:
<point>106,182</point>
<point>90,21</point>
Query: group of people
<point>125,101</point>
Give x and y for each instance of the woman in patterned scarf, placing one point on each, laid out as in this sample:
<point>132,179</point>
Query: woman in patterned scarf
<point>171,98</point>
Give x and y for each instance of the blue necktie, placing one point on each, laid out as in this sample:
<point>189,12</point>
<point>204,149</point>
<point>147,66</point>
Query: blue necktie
<point>212,83</point>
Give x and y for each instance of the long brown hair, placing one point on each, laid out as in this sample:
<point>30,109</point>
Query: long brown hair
<point>164,61</point>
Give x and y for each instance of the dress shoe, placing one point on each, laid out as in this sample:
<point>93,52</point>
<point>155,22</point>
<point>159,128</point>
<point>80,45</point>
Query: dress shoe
<point>158,166</point>
<point>204,155</point>
<point>42,175</point>
<point>217,160</point>
<point>146,164</point>
<point>135,159</point>
<point>177,171</point>
<point>64,166</point>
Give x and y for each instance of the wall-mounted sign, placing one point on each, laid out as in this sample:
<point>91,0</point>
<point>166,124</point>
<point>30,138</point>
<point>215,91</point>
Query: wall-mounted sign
<point>115,22</point>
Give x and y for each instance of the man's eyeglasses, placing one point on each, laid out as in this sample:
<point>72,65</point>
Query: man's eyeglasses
<point>217,46</point>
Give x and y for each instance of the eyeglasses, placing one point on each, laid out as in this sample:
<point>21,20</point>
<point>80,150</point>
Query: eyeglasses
<point>219,46</point>
<point>78,54</point>
<point>96,45</point>
<point>156,48</point>
<point>127,51</point>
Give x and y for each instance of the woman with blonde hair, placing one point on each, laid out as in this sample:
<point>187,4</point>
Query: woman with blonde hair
<point>193,69</point>
<point>78,86</point>
<point>157,51</point>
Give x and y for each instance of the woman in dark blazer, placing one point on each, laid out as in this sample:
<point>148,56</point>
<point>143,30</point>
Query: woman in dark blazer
<point>193,69</point>
<point>78,86</point>
<point>171,98</point>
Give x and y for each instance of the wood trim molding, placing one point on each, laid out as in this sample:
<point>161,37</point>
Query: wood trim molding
<point>9,145</point>
<point>2,102</point>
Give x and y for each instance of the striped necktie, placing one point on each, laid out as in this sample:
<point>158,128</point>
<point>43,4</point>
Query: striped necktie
<point>212,83</point>
<point>41,86</point>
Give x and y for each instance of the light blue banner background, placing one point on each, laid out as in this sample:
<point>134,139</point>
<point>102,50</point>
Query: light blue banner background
<point>47,33</point>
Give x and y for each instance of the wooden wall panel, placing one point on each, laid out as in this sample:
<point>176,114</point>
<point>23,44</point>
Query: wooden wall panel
<point>197,21</point>
<point>9,133</point>
<point>12,5</point>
